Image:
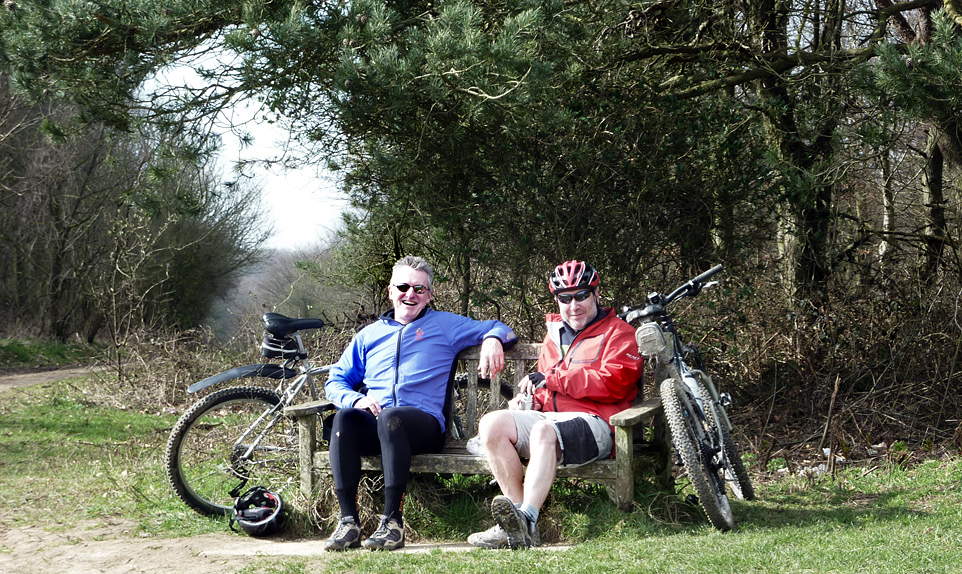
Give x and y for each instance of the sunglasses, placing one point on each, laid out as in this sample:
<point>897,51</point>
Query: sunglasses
<point>403,288</point>
<point>580,296</point>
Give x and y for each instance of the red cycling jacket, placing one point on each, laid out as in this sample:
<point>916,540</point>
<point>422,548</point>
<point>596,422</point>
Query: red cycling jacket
<point>599,374</point>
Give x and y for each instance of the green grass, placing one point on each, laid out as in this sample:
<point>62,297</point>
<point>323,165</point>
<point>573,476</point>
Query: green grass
<point>28,353</point>
<point>67,460</point>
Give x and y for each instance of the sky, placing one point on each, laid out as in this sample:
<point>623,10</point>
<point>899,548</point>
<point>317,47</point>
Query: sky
<point>304,205</point>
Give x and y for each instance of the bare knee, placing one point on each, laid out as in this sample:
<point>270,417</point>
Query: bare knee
<point>545,439</point>
<point>497,426</point>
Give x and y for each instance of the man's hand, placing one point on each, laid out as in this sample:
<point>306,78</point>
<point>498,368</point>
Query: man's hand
<point>528,384</point>
<point>492,358</point>
<point>368,404</point>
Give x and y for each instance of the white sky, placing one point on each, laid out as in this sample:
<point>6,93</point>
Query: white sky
<point>304,204</point>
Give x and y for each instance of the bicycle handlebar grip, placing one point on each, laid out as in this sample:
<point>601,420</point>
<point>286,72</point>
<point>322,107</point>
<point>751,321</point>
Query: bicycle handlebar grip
<point>707,274</point>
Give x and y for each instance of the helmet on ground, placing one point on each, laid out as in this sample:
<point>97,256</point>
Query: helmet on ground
<point>573,275</point>
<point>258,512</point>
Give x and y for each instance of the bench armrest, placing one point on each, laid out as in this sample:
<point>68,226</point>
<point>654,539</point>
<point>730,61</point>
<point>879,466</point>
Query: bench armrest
<point>636,414</point>
<point>311,408</point>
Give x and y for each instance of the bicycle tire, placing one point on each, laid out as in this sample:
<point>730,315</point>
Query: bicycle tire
<point>735,475</point>
<point>708,484</point>
<point>203,463</point>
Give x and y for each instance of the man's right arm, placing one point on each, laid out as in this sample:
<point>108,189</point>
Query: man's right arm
<point>346,376</point>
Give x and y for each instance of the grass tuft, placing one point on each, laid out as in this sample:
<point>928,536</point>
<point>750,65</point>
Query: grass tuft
<point>29,353</point>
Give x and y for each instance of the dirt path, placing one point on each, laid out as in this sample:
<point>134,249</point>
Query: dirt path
<point>111,549</point>
<point>35,378</point>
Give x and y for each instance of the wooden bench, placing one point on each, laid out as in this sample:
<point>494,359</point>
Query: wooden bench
<point>632,455</point>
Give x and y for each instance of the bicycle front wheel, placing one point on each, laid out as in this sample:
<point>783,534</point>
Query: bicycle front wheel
<point>230,440</point>
<point>688,430</point>
<point>735,473</point>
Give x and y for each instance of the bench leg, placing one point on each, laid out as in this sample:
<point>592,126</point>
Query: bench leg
<point>306,441</point>
<point>660,438</point>
<point>622,491</point>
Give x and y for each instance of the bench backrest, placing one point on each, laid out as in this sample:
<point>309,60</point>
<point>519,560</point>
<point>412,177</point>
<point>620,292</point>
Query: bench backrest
<point>519,361</point>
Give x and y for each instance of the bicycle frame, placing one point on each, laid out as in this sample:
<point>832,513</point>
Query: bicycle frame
<point>238,432</point>
<point>696,412</point>
<point>656,322</point>
<point>670,364</point>
<point>308,371</point>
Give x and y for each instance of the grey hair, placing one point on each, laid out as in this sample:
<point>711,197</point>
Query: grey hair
<point>418,264</point>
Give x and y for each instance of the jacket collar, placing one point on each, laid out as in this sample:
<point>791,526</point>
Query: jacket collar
<point>556,324</point>
<point>389,315</point>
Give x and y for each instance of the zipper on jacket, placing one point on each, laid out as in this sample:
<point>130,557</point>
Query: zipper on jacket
<point>397,365</point>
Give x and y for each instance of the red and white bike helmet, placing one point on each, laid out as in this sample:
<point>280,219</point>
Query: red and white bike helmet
<point>259,512</point>
<point>573,275</point>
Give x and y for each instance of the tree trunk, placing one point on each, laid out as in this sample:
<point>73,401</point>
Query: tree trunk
<point>888,210</point>
<point>933,243</point>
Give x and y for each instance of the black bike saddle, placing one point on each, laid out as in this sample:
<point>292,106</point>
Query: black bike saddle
<point>281,326</point>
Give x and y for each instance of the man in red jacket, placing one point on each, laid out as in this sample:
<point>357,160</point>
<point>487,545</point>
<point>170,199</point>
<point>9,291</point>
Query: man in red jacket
<point>588,370</point>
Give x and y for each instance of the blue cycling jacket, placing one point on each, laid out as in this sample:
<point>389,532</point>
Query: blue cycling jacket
<point>408,365</point>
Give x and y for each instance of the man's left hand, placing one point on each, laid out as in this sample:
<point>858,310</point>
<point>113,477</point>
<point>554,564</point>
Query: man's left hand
<point>492,358</point>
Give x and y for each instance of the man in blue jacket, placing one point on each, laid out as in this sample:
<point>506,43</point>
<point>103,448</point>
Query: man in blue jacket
<point>389,387</point>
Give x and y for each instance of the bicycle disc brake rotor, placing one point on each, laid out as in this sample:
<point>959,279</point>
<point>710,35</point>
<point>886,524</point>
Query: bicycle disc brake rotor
<point>240,466</point>
<point>710,457</point>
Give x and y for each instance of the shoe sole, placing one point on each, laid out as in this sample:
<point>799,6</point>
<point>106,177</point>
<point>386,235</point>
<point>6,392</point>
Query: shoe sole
<point>489,545</point>
<point>376,546</point>
<point>511,521</point>
<point>341,548</point>
<point>332,546</point>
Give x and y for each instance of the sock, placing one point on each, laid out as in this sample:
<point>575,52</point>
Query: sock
<point>394,503</point>
<point>529,511</point>
<point>347,500</point>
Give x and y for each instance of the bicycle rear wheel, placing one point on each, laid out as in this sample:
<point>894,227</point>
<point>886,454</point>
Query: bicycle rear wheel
<point>226,442</point>
<point>687,431</point>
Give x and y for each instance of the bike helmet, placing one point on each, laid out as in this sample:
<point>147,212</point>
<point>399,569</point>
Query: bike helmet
<point>258,512</point>
<point>573,275</point>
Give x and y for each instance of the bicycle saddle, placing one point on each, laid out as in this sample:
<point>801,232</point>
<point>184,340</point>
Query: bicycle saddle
<point>281,326</point>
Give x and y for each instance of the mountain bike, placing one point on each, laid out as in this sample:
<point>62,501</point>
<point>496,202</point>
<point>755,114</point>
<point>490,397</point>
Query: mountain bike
<point>696,412</point>
<point>239,435</point>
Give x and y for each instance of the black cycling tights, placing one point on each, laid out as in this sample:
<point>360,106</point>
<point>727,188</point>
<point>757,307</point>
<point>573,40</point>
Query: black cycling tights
<point>396,434</point>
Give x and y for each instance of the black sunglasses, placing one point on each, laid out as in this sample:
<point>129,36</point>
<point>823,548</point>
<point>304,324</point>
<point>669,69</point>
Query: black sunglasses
<point>403,288</point>
<point>580,296</point>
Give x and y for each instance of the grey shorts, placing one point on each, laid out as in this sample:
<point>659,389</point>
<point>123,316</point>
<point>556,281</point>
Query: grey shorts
<point>583,437</point>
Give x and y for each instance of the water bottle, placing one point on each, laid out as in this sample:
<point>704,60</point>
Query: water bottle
<point>526,402</point>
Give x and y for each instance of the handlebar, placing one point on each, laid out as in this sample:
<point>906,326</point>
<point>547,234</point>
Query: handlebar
<point>707,274</point>
<point>656,303</point>
<point>693,287</point>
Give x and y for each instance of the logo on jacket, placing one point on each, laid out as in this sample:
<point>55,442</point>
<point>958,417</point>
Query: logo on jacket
<point>419,334</point>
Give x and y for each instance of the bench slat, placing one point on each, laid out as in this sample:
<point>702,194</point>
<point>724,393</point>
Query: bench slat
<point>457,460</point>
<point>519,352</point>
<point>638,413</point>
<point>311,408</point>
